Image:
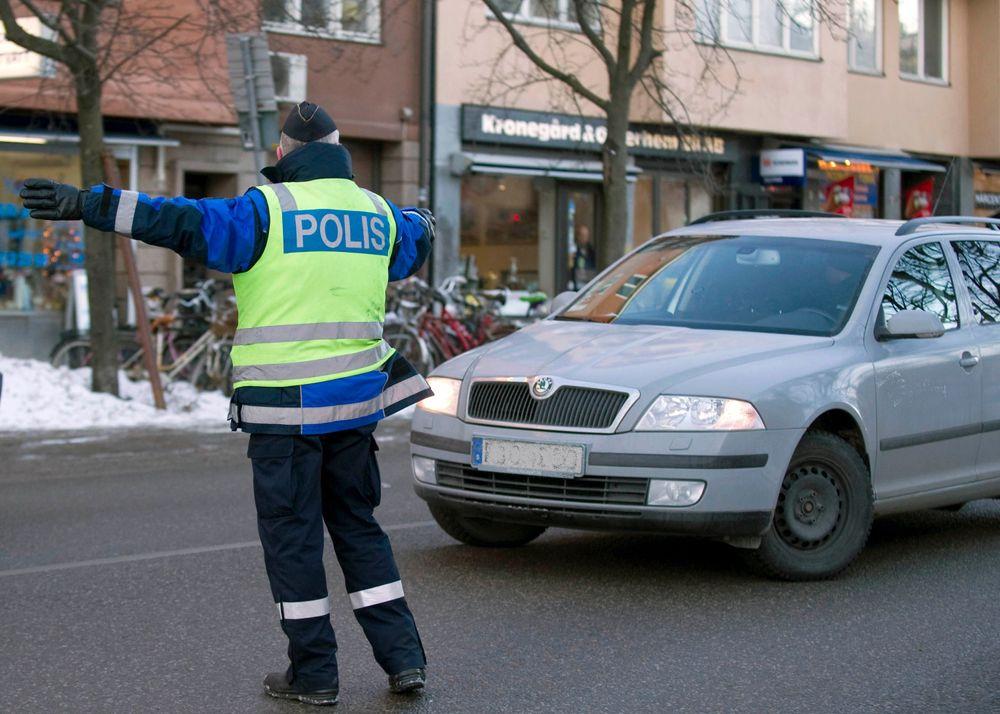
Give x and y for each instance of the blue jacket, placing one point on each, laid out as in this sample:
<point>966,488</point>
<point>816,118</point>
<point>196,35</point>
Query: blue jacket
<point>229,235</point>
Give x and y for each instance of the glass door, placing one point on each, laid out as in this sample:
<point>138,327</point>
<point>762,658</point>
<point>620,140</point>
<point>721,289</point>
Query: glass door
<point>578,232</point>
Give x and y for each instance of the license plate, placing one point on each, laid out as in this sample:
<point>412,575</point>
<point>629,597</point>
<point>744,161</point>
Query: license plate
<point>528,457</point>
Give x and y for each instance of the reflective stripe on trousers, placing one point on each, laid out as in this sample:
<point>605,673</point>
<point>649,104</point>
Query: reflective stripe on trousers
<point>309,331</point>
<point>376,595</point>
<point>292,416</point>
<point>311,368</point>
<point>304,609</point>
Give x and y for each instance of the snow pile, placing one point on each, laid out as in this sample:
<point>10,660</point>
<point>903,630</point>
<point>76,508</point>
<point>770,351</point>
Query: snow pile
<point>37,396</point>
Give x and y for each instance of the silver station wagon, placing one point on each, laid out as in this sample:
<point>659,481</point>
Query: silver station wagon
<point>773,382</point>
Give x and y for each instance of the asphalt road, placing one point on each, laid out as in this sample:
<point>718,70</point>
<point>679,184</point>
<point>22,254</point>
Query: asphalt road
<point>131,580</point>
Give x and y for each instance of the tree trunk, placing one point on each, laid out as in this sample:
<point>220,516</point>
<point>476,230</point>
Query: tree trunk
<point>615,166</point>
<point>99,247</point>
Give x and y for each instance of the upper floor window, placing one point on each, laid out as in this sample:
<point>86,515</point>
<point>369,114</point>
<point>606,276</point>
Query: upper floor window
<point>864,45</point>
<point>350,19</point>
<point>548,12</point>
<point>923,39</point>
<point>289,72</point>
<point>782,26</point>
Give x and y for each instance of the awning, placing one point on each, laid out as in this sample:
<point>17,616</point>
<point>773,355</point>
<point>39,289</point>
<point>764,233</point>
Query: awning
<point>13,136</point>
<point>904,162</point>
<point>567,169</point>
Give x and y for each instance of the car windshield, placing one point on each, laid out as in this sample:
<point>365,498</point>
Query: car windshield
<point>750,283</point>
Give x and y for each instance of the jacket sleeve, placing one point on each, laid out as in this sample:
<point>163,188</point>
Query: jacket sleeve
<point>224,234</point>
<point>414,238</point>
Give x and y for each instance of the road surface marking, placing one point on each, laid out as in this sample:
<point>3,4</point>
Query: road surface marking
<point>155,555</point>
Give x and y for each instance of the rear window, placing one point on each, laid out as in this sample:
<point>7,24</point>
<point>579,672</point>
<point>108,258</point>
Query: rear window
<point>980,261</point>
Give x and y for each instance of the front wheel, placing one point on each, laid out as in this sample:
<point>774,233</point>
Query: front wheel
<point>823,514</point>
<point>481,532</point>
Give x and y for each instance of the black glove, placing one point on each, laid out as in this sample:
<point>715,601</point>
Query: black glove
<point>428,219</point>
<point>52,201</point>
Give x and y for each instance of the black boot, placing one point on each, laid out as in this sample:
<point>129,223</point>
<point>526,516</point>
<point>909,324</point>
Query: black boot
<point>408,680</point>
<point>277,685</point>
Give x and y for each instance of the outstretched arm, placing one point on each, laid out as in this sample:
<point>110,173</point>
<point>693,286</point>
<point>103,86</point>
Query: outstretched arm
<point>222,233</point>
<point>414,239</point>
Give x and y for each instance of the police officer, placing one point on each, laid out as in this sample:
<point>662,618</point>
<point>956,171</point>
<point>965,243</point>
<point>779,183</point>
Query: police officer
<point>311,254</point>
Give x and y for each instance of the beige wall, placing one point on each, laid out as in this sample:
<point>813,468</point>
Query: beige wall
<point>773,94</point>
<point>917,116</point>
<point>984,78</point>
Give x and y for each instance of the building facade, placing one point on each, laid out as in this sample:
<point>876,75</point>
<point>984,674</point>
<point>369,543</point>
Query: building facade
<point>172,127</point>
<point>889,109</point>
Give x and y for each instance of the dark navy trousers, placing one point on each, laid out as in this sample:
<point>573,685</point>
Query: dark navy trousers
<point>300,482</point>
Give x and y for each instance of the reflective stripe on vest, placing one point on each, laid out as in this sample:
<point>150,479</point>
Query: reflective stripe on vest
<point>294,416</point>
<point>313,331</point>
<point>311,308</point>
<point>311,368</point>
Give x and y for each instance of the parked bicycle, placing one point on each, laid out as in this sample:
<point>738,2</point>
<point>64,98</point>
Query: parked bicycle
<point>431,325</point>
<point>192,333</point>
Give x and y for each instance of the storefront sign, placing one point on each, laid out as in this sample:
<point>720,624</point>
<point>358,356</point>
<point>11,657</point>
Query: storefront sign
<point>784,166</point>
<point>565,131</point>
<point>16,62</point>
<point>988,199</point>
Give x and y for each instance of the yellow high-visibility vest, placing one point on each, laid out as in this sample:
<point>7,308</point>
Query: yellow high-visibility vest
<point>311,308</point>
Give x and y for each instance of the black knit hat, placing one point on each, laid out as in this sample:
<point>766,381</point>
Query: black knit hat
<point>308,122</point>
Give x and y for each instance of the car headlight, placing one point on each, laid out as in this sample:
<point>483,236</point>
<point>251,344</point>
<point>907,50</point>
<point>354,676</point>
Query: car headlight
<point>675,413</point>
<point>445,398</point>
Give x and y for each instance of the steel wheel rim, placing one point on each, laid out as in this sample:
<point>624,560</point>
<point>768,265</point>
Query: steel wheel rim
<point>812,506</point>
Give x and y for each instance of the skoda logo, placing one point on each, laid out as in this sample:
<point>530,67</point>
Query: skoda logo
<point>542,387</point>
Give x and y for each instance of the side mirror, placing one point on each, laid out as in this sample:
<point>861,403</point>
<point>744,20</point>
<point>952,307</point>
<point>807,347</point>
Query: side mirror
<point>562,301</point>
<point>911,324</point>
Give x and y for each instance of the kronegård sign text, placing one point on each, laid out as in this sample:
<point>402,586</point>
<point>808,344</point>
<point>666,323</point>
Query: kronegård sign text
<point>565,131</point>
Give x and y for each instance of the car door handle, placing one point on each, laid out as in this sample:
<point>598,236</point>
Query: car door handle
<point>968,360</point>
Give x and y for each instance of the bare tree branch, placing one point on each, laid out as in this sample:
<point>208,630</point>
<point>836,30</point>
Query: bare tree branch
<point>647,49</point>
<point>19,36</point>
<point>594,36</point>
<point>519,41</point>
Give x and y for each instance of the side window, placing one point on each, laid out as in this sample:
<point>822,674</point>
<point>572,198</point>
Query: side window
<point>921,281</point>
<point>980,261</point>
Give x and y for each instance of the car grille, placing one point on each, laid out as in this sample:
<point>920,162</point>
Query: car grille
<point>568,407</point>
<point>587,489</point>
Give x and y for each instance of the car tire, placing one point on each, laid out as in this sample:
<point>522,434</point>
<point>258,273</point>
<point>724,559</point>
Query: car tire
<point>823,514</point>
<point>481,532</point>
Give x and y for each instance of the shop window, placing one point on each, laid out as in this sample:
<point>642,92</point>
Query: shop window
<point>923,45</point>
<point>343,19</point>
<point>37,258</point>
<point>849,188</point>
<point>550,12</point>
<point>921,281</point>
<point>289,72</point>
<point>781,26</point>
<point>643,227</point>
<point>499,230</point>
<point>980,261</point>
<point>864,44</point>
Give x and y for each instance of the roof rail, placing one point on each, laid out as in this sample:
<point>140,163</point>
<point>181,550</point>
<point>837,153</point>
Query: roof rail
<point>913,224</point>
<point>747,213</point>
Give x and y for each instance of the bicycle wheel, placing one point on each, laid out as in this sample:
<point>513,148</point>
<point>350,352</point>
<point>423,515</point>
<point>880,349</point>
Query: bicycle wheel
<point>75,352</point>
<point>72,352</point>
<point>410,344</point>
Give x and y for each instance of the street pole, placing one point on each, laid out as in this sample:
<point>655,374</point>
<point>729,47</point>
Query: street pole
<point>113,177</point>
<point>250,79</point>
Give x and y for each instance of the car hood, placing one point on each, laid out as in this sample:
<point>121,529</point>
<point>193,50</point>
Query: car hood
<point>636,356</point>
